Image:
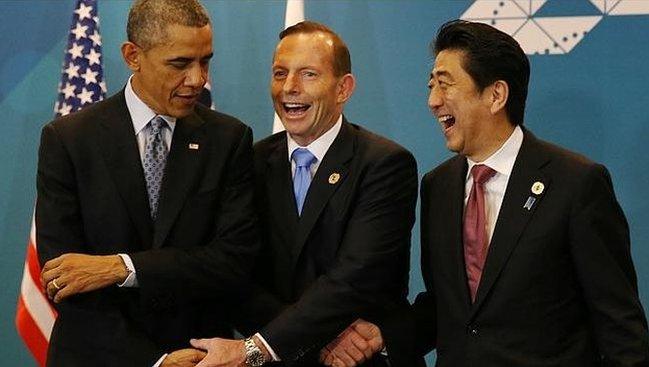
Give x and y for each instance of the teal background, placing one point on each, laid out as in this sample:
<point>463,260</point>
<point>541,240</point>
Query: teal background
<point>593,100</point>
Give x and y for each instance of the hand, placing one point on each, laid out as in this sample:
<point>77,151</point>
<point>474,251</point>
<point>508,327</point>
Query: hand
<point>71,274</point>
<point>184,357</point>
<point>353,346</point>
<point>221,352</point>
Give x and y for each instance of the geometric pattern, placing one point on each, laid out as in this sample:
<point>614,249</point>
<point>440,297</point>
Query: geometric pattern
<point>549,35</point>
<point>155,159</point>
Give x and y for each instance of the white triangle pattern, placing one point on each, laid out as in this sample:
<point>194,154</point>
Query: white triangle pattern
<point>546,35</point>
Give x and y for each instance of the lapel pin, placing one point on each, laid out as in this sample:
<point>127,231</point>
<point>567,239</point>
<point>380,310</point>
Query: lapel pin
<point>530,201</point>
<point>193,146</point>
<point>333,178</point>
<point>537,188</point>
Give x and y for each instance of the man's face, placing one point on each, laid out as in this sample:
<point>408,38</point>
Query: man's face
<point>462,111</point>
<point>307,95</point>
<point>170,76</point>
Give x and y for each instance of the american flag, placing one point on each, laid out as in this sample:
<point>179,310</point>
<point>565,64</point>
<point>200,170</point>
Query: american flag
<point>82,83</point>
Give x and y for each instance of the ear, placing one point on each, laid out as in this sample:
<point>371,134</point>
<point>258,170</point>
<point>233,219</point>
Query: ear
<point>346,86</point>
<point>131,54</point>
<point>499,96</point>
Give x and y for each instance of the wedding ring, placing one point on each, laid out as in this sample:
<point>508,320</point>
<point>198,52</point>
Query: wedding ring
<point>56,285</point>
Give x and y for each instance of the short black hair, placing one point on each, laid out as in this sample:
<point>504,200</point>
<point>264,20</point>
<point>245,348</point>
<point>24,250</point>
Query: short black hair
<point>342,61</point>
<point>489,55</point>
<point>148,19</point>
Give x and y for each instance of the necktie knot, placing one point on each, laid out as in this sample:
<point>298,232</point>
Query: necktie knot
<point>303,157</point>
<point>157,123</point>
<point>482,173</point>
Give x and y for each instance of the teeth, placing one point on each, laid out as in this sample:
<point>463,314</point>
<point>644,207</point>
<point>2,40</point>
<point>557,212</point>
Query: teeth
<point>444,118</point>
<point>294,105</point>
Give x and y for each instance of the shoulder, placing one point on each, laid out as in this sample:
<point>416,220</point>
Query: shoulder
<point>374,148</point>
<point>223,123</point>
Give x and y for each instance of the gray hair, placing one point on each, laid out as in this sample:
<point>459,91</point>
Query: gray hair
<point>148,19</point>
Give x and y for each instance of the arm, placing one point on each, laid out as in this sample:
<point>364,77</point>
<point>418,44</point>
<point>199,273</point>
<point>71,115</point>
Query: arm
<point>599,240</point>
<point>223,264</point>
<point>371,262</point>
<point>59,230</point>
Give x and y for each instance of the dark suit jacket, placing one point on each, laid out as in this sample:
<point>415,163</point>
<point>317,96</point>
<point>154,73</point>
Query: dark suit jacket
<point>347,256</point>
<point>92,199</point>
<point>558,287</point>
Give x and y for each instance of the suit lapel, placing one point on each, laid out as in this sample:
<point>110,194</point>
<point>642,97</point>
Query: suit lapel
<point>455,215</point>
<point>122,158</point>
<point>182,165</point>
<point>322,187</point>
<point>513,216</point>
<point>279,191</point>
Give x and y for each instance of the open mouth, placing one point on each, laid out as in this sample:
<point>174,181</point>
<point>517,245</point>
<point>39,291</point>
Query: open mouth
<point>295,109</point>
<point>447,121</point>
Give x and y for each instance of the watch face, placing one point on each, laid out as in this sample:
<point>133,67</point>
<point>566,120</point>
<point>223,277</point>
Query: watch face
<point>256,359</point>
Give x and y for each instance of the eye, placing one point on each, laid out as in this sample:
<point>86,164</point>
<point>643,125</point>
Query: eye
<point>179,64</point>
<point>279,74</point>
<point>309,74</point>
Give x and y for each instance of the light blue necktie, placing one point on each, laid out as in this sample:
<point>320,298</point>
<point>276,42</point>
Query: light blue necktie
<point>155,158</point>
<point>302,179</point>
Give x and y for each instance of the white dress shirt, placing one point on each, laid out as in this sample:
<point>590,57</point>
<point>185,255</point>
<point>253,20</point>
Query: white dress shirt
<point>318,148</point>
<point>502,161</point>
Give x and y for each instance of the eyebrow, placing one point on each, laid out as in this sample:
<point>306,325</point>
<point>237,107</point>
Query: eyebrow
<point>189,59</point>
<point>439,73</point>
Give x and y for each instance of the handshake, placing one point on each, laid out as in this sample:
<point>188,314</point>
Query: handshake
<point>355,345</point>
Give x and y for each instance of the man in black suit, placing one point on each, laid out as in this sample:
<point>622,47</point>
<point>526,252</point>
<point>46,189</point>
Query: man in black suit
<point>337,249</point>
<point>525,250</point>
<point>145,217</point>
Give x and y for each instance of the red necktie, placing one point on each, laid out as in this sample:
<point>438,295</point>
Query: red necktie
<point>475,232</point>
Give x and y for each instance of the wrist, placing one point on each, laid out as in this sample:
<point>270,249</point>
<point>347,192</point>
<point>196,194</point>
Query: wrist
<point>255,352</point>
<point>262,348</point>
<point>119,269</point>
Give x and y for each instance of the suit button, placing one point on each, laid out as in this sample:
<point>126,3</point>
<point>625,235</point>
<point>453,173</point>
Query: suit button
<point>473,330</point>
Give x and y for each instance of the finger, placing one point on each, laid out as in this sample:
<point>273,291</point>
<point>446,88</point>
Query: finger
<point>49,275</point>
<point>199,343</point>
<point>198,356</point>
<point>357,355</point>
<point>53,263</point>
<point>62,293</point>
<point>361,344</point>
<point>345,358</point>
<point>50,289</point>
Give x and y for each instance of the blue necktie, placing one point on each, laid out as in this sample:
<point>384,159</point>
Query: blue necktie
<point>302,179</point>
<point>155,158</point>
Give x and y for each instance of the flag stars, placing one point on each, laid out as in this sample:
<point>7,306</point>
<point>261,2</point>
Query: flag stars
<point>96,38</point>
<point>102,84</point>
<point>68,91</point>
<point>72,71</point>
<point>76,51</point>
<point>65,109</point>
<point>85,96</point>
<point>90,76</point>
<point>79,31</point>
<point>84,12</point>
<point>93,57</point>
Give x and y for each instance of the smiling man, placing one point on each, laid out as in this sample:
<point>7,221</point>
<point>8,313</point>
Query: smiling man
<point>525,250</point>
<point>336,204</point>
<point>145,218</point>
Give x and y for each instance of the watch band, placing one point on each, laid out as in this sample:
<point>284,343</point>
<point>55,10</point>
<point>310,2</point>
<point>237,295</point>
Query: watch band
<point>254,356</point>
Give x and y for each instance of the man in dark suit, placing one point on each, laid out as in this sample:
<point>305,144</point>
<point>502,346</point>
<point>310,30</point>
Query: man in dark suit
<point>145,217</point>
<point>336,249</point>
<point>525,250</point>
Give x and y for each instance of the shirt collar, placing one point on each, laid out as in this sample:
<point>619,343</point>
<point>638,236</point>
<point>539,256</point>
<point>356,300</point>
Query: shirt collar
<point>320,146</point>
<point>140,113</point>
<point>502,161</point>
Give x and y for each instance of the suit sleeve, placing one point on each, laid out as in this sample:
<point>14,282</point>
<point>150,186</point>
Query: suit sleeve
<point>600,246</point>
<point>59,230</point>
<point>223,264</point>
<point>371,263</point>
<point>410,332</point>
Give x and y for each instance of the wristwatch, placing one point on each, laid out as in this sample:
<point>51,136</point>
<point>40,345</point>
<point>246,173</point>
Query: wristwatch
<point>254,356</point>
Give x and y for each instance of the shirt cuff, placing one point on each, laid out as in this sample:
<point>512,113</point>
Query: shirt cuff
<point>159,362</point>
<point>268,348</point>
<point>131,279</point>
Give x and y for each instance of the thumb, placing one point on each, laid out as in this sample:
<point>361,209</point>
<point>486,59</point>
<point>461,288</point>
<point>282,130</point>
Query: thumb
<point>199,343</point>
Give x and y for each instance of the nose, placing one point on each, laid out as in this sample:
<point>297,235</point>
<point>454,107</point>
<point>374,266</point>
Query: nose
<point>196,76</point>
<point>435,100</point>
<point>292,84</point>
